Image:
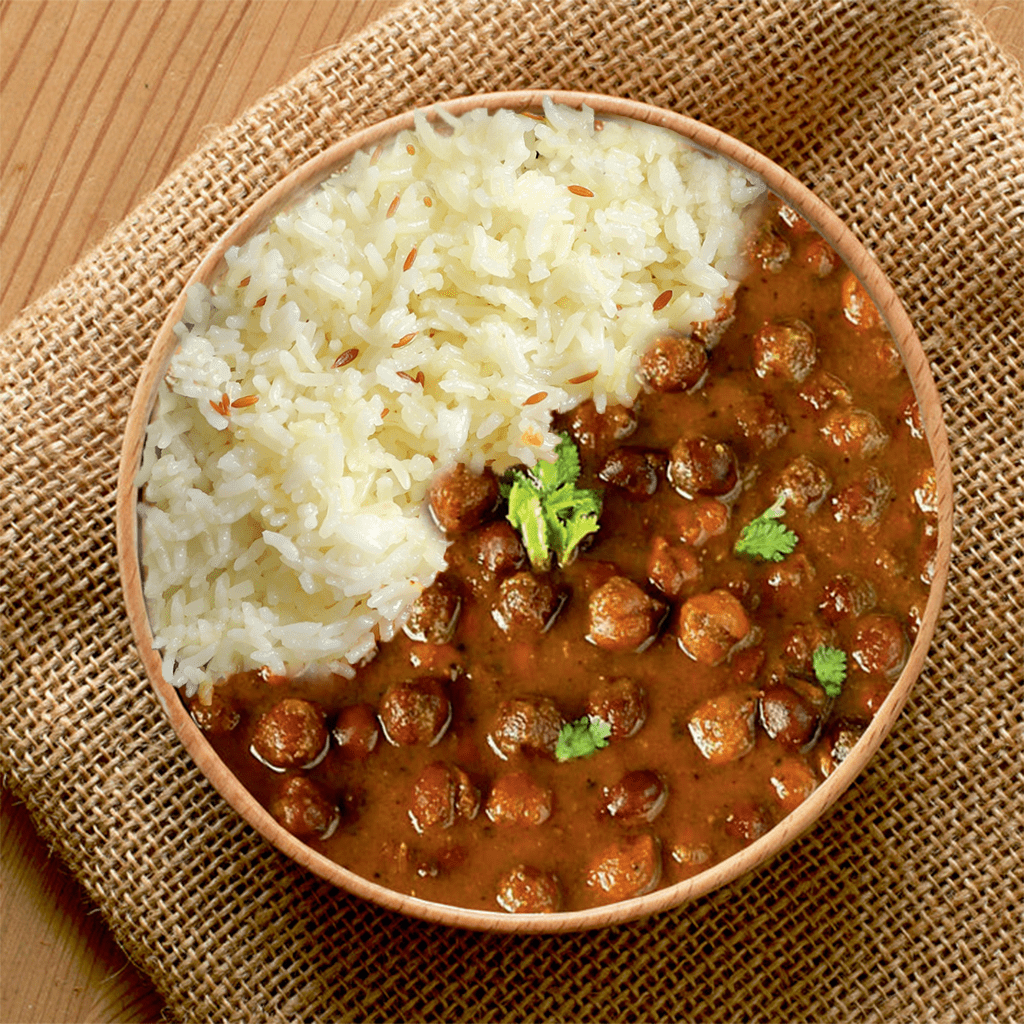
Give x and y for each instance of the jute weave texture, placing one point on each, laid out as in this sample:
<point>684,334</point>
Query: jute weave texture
<point>904,903</point>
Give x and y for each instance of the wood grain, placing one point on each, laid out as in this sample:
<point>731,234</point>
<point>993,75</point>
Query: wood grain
<point>102,99</point>
<point>57,960</point>
<point>99,100</point>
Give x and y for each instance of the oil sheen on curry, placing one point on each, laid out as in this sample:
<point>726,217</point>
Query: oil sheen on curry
<point>555,737</point>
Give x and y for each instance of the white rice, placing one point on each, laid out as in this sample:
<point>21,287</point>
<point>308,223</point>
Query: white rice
<point>292,532</point>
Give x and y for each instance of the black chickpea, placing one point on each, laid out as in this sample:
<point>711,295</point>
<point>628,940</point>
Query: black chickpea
<point>576,711</point>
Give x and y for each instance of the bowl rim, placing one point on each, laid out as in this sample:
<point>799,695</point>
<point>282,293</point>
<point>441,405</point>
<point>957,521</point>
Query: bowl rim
<point>305,178</point>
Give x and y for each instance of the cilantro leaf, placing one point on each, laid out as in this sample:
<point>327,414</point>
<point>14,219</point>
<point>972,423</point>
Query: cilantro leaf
<point>509,480</point>
<point>765,537</point>
<point>550,512</point>
<point>562,500</point>
<point>582,738</point>
<point>564,470</point>
<point>526,514</point>
<point>830,668</point>
<point>577,528</point>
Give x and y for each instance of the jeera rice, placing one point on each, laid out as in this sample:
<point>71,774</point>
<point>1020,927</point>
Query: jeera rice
<point>403,317</point>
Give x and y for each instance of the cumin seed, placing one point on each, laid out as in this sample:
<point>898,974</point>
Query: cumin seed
<point>583,377</point>
<point>245,401</point>
<point>393,206</point>
<point>662,300</point>
<point>345,358</point>
<point>579,190</point>
<point>534,399</point>
<point>410,259</point>
<point>406,338</point>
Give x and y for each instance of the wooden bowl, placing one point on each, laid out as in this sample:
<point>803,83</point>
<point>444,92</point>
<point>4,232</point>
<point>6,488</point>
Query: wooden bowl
<point>857,259</point>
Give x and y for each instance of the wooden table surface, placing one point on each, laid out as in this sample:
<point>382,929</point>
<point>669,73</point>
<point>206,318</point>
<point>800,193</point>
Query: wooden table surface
<point>99,100</point>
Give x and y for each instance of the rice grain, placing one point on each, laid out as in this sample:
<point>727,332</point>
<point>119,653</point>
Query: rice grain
<point>294,536</point>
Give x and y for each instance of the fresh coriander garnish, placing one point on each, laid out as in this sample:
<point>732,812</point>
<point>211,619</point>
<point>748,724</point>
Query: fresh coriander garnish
<point>830,669</point>
<point>765,537</point>
<point>582,738</point>
<point>550,512</point>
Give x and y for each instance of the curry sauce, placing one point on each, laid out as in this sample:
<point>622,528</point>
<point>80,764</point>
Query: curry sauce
<point>433,772</point>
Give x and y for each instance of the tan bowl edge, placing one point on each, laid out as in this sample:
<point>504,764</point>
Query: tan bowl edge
<point>857,259</point>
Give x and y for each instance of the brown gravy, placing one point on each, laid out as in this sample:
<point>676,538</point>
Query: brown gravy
<point>712,809</point>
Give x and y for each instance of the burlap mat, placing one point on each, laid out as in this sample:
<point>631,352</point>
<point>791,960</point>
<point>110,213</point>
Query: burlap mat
<point>905,902</point>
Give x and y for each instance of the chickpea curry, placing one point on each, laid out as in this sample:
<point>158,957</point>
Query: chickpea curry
<point>553,731</point>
